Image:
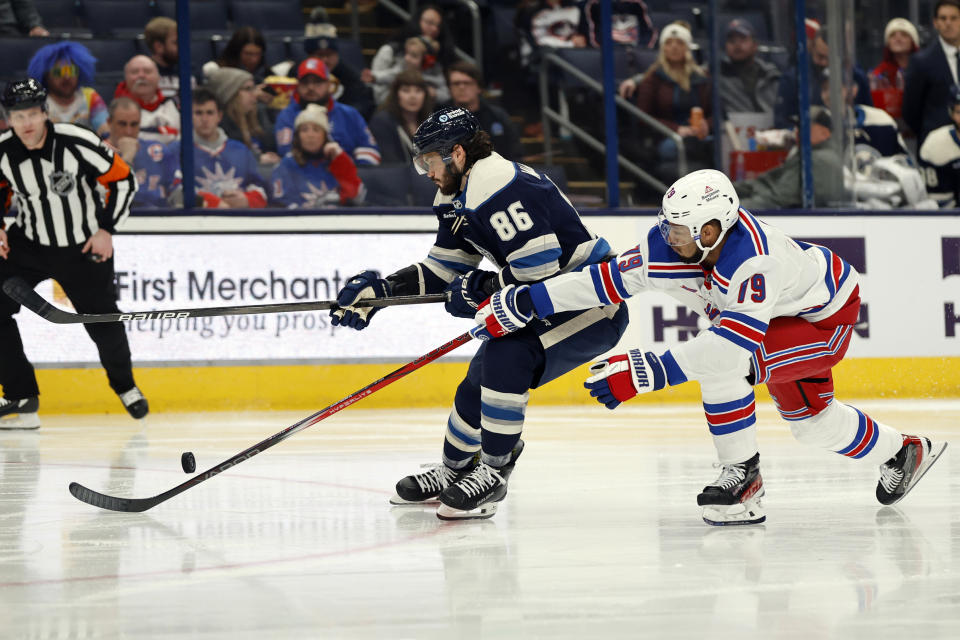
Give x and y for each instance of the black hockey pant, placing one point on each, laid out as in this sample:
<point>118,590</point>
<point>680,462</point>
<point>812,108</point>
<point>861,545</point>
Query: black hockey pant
<point>90,287</point>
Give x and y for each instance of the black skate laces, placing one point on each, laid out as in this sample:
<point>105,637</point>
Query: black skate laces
<point>731,476</point>
<point>480,479</point>
<point>436,479</point>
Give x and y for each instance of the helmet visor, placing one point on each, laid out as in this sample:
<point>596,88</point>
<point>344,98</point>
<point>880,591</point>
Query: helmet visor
<point>431,160</point>
<point>675,235</point>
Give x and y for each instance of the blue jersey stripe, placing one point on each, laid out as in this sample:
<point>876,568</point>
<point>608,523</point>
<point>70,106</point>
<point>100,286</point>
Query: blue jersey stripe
<point>723,407</point>
<point>537,259</point>
<point>861,430</point>
<point>759,325</point>
<point>617,279</point>
<point>598,284</point>
<point>541,300</point>
<point>501,413</point>
<point>723,430</point>
<point>735,338</point>
<point>460,435</point>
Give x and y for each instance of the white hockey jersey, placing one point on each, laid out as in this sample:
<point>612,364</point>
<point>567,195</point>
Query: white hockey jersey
<point>761,274</point>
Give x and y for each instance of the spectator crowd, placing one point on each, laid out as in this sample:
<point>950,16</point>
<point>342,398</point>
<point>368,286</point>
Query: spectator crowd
<point>305,131</point>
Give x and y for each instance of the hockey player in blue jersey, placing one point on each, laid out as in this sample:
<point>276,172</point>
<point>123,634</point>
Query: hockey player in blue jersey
<point>940,157</point>
<point>490,207</point>
<point>782,313</point>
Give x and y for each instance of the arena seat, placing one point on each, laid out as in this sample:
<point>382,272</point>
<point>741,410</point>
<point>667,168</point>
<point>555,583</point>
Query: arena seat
<point>111,54</point>
<point>16,51</point>
<point>387,186</point>
<point>106,18</point>
<point>422,190</point>
<point>269,17</point>
<point>62,17</point>
<point>206,16</point>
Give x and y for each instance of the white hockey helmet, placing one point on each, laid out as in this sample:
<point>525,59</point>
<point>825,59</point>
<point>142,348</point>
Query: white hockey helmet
<point>693,201</point>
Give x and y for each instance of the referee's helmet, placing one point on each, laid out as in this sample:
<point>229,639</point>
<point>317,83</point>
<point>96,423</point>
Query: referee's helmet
<point>23,94</point>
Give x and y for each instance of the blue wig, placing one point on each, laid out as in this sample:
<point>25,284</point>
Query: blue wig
<point>49,56</point>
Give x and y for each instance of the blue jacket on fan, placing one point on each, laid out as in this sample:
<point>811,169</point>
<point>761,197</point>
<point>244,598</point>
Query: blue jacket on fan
<point>347,128</point>
<point>231,166</point>
<point>316,184</point>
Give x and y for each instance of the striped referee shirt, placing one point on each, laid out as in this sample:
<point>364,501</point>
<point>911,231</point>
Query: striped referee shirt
<point>66,190</point>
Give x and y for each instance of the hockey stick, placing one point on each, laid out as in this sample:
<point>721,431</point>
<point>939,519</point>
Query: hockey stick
<point>20,291</point>
<point>113,503</point>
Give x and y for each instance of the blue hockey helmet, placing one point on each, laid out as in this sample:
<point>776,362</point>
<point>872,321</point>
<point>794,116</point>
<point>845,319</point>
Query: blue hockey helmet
<point>440,132</point>
<point>23,94</point>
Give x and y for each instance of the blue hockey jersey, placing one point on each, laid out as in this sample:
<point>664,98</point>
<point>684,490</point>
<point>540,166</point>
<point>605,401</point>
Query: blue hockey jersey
<point>316,184</point>
<point>148,169</point>
<point>876,128</point>
<point>516,218</point>
<point>347,128</point>
<point>231,166</point>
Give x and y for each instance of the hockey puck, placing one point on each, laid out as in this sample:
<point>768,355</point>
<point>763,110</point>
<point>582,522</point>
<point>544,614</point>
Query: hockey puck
<point>188,462</point>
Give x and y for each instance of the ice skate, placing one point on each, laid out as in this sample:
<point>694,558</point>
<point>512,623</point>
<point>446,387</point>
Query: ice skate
<point>475,496</point>
<point>423,488</point>
<point>900,474</point>
<point>19,414</point>
<point>734,497</point>
<point>134,402</point>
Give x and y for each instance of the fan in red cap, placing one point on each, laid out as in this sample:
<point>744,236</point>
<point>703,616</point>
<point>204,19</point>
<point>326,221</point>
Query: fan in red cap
<point>348,128</point>
<point>312,66</point>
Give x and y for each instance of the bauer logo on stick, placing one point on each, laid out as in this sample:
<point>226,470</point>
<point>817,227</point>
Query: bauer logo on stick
<point>156,315</point>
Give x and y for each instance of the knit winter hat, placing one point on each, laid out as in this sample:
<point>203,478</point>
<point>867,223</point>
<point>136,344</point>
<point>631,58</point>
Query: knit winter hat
<point>313,113</point>
<point>676,31</point>
<point>901,24</point>
<point>225,82</point>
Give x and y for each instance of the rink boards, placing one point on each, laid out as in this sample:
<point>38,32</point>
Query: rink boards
<point>905,343</point>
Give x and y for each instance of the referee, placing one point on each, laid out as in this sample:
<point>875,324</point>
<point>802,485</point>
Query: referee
<point>71,191</point>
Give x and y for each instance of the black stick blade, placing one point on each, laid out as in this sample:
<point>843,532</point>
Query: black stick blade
<point>112,503</point>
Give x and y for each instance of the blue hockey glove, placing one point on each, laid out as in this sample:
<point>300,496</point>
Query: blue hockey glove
<point>368,284</point>
<point>466,292</point>
<point>619,378</point>
<point>506,311</point>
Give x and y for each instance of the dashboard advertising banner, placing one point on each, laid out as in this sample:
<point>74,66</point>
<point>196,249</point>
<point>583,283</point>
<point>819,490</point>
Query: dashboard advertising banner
<point>909,266</point>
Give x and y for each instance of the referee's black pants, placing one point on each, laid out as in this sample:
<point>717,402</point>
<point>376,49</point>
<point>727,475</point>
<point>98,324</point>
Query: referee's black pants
<point>90,287</point>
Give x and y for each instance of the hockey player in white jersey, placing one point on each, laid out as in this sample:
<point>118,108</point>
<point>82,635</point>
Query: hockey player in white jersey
<point>940,157</point>
<point>782,313</point>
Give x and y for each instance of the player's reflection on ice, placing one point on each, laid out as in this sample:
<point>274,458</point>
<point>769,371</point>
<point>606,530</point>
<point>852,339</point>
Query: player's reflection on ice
<point>478,560</point>
<point>883,562</point>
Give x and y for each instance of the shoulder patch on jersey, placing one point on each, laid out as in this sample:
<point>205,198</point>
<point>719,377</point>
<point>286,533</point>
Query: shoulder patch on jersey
<point>940,147</point>
<point>488,176</point>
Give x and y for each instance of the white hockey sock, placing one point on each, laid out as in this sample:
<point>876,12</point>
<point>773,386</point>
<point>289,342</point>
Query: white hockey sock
<point>731,417</point>
<point>850,432</point>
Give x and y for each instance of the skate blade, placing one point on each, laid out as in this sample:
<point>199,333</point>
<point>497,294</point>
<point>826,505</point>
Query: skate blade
<point>721,515</point>
<point>483,511</point>
<point>397,501</point>
<point>21,421</point>
<point>936,450</point>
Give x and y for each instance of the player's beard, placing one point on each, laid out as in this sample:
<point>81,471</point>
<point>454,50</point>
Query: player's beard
<point>452,179</point>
